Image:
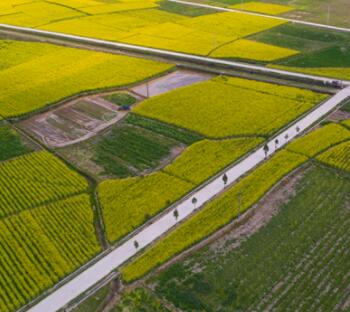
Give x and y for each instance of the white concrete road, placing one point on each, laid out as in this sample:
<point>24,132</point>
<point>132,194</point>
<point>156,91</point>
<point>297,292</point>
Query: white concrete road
<point>223,9</point>
<point>117,46</point>
<point>82,282</point>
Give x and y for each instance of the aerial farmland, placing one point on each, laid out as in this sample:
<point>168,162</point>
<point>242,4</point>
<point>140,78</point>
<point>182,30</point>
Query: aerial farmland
<point>174,155</point>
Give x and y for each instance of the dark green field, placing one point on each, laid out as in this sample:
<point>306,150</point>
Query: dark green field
<point>318,47</point>
<point>11,144</point>
<point>135,146</point>
<point>139,300</point>
<point>298,262</point>
<point>129,149</point>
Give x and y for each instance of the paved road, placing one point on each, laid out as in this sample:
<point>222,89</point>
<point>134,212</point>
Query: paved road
<point>117,46</point>
<point>82,282</point>
<point>201,5</point>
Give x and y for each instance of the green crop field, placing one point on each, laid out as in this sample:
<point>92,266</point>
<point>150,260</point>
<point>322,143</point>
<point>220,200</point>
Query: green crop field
<point>11,143</point>
<point>295,262</point>
<point>135,146</point>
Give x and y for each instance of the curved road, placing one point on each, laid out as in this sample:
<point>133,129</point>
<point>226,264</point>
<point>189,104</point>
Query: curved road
<point>83,281</point>
<point>207,6</point>
<point>208,61</point>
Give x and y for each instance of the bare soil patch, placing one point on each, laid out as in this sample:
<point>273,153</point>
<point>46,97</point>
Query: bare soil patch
<point>174,80</point>
<point>73,122</point>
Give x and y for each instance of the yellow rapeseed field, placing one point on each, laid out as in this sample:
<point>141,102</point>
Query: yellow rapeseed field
<point>340,73</point>
<point>216,214</point>
<point>266,8</point>
<point>319,140</point>
<point>230,106</point>
<point>247,49</point>
<point>127,203</point>
<point>41,246</point>
<point>337,156</point>
<point>29,86</point>
<point>142,23</point>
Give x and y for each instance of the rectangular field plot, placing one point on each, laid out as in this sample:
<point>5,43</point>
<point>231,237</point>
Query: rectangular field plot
<point>29,86</point>
<point>299,260</point>
<point>39,247</point>
<point>319,140</point>
<point>127,203</point>
<point>134,146</point>
<point>35,179</point>
<point>149,23</point>
<point>337,156</point>
<point>230,106</point>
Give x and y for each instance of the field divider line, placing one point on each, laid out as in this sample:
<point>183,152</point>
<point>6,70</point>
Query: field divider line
<point>174,56</point>
<point>294,21</point>
<point>102,265</point>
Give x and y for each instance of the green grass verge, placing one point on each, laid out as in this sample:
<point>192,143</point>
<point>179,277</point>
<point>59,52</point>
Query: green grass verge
<point>96,302</point>
<point>120,98</point>
<point>139,300</point>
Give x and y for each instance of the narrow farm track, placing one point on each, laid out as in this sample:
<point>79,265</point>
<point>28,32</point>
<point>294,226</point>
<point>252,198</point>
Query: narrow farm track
<point>294,21</point>
<point>103,266</point>
<point>72,40</point>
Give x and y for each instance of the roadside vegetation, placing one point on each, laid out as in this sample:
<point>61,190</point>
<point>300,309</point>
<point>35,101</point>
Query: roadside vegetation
<point>128,203</point>
<point>296,261</point>
<point>216,214</point>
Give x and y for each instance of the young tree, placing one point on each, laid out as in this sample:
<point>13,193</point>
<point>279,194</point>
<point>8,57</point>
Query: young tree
<point>136,244</point>
<point>298,129</point>
<point>194,202</point>
<point>176,214</point>
<point>276,143</point>
<point>266,149</point>
<point>225,178</point>
<point>286,136</point>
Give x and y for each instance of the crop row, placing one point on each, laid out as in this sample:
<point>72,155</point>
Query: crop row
<point>337,156</point>
<point>40,246</point>
<point>230,106</point>
<point>319,140</point>
<point>298,261</point>
<point>35,179</point>
<point>127,203</point>
<point>216,214</point>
